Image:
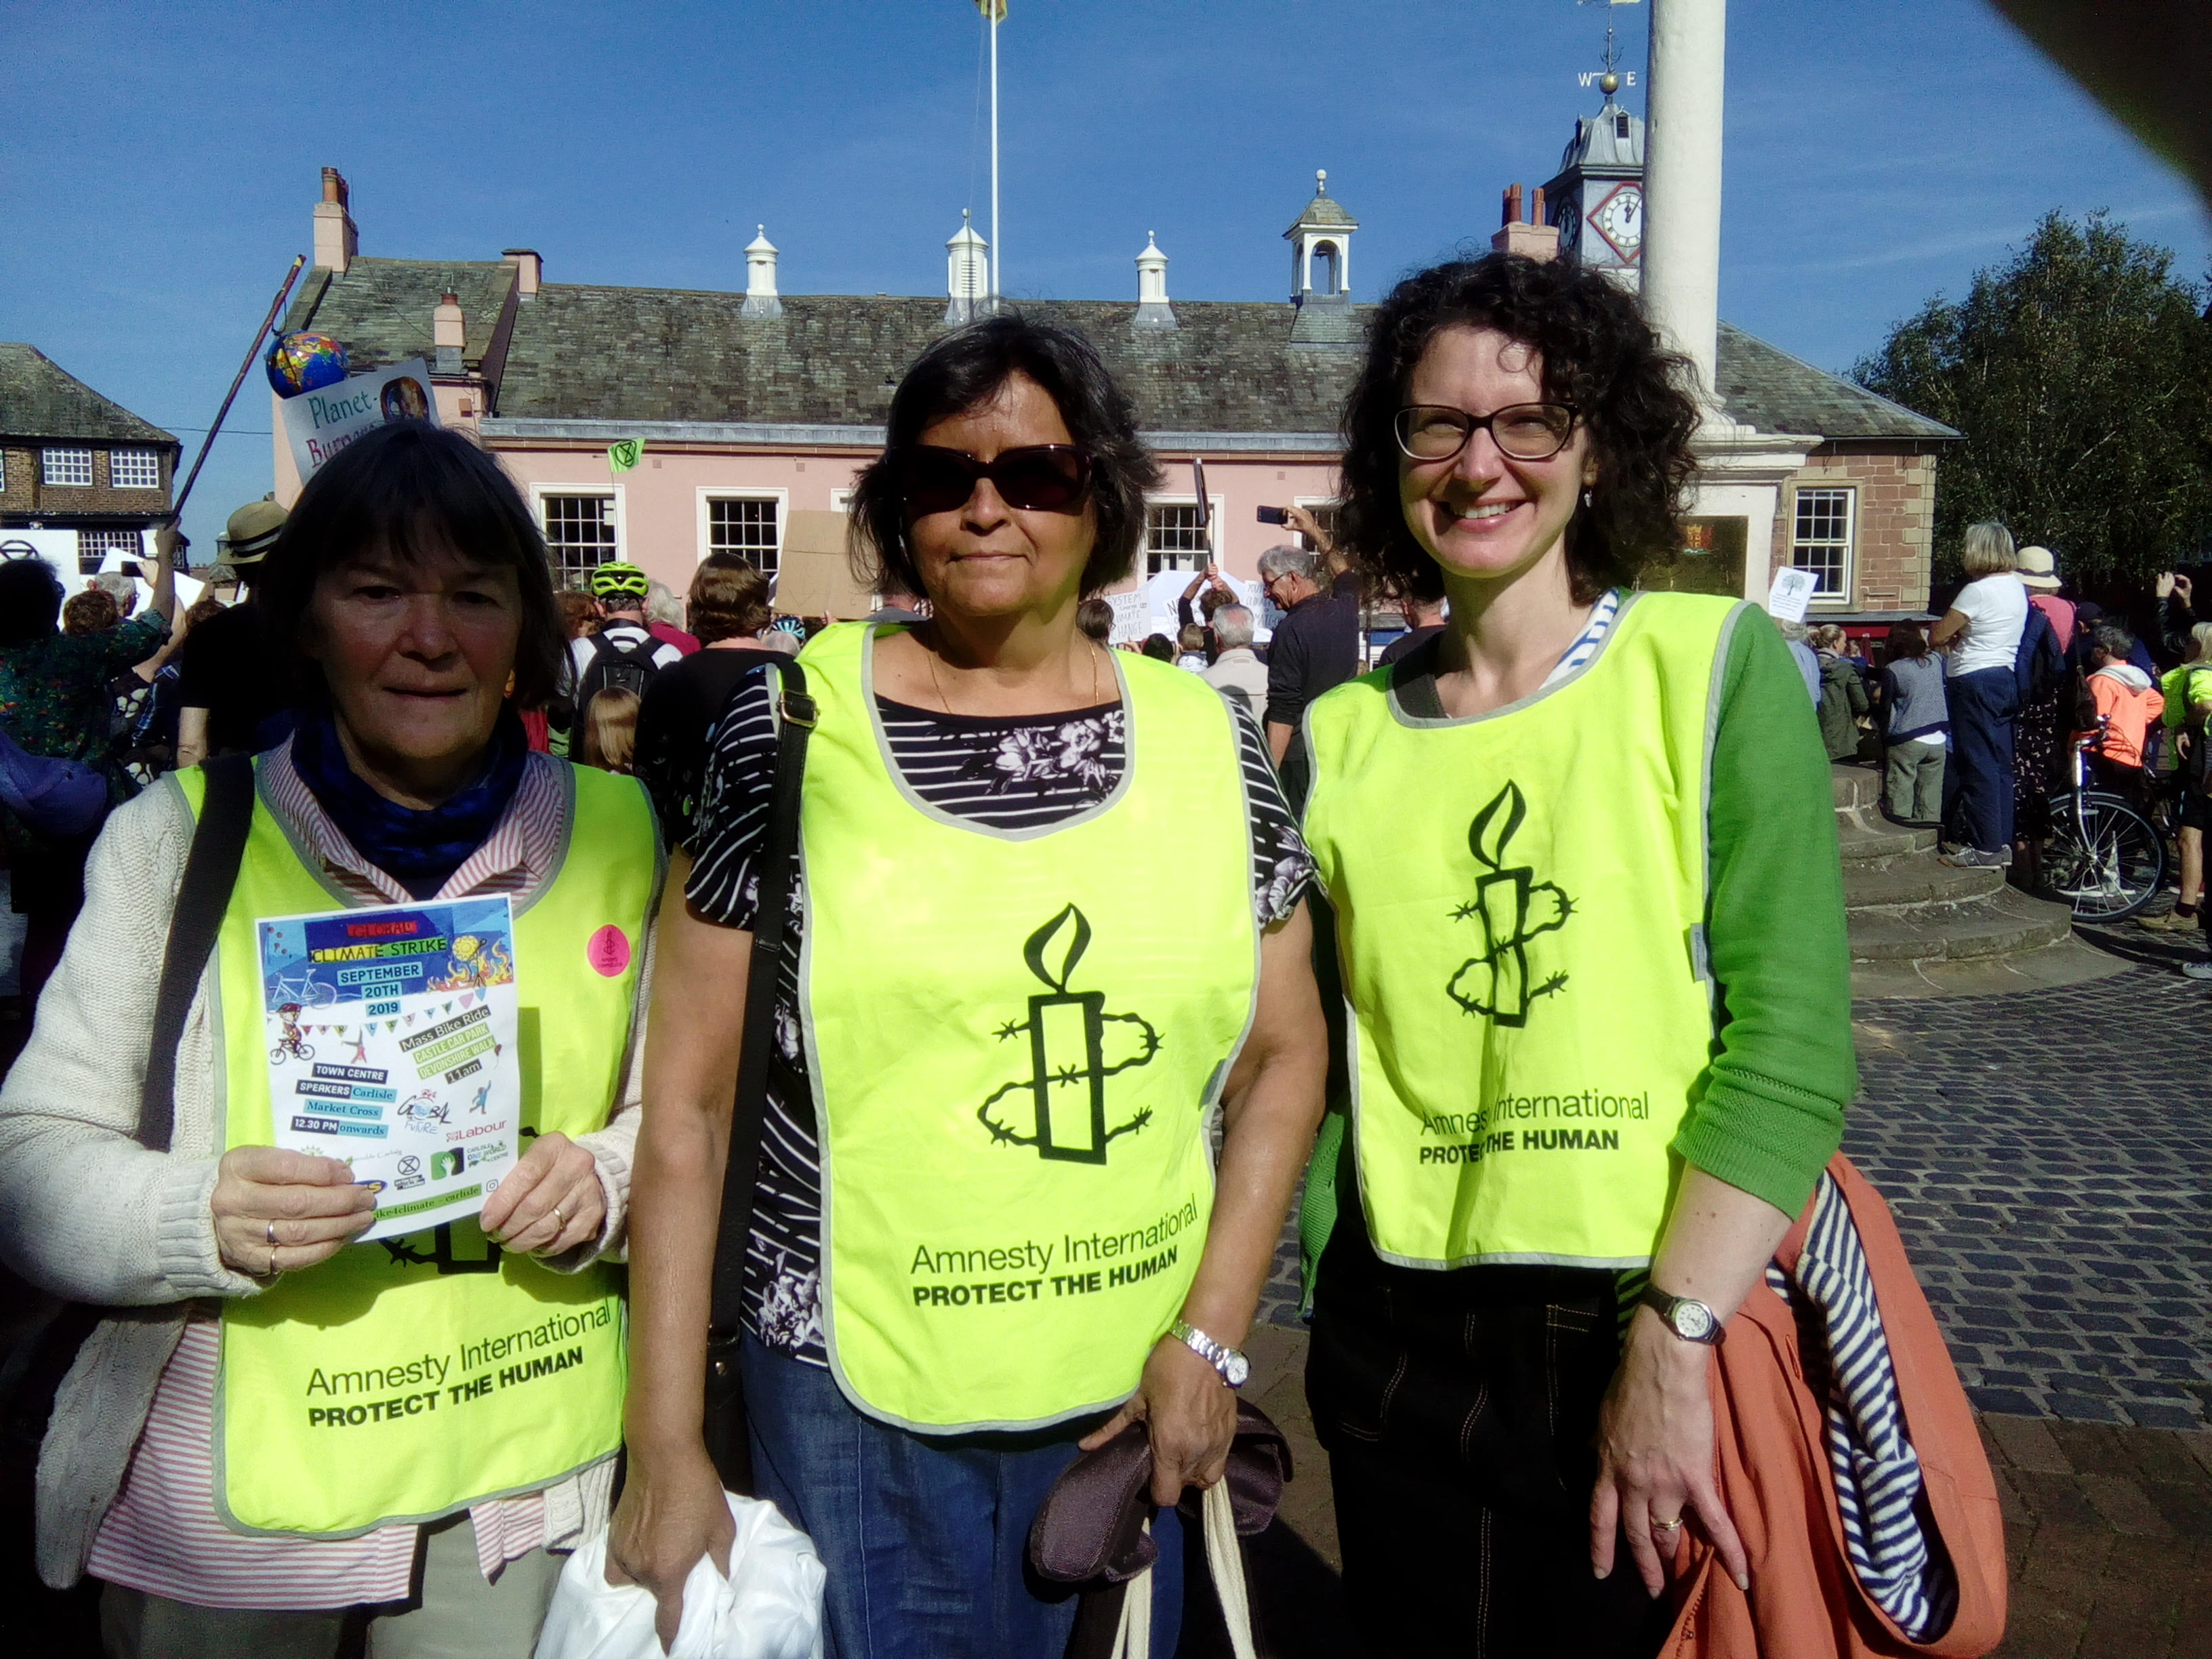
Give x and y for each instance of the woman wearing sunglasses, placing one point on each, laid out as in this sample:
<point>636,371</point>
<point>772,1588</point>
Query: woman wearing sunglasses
<point>1580,849</point>
<point>986,1227</point>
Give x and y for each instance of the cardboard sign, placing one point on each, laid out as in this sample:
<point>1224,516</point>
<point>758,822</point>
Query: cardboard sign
<point>1792,591</point>
<point>319,423</point>
<point>814,578</point>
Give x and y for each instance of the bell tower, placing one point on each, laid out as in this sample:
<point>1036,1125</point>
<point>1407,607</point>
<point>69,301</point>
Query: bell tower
<point>1597,195</point>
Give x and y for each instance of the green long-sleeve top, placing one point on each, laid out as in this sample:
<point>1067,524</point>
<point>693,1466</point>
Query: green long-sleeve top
<point>1773,1115</point>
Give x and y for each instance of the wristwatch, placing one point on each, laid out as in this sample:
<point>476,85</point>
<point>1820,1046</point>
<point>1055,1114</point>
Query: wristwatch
<point>1692,1321</point>
<point>1233,1366</point>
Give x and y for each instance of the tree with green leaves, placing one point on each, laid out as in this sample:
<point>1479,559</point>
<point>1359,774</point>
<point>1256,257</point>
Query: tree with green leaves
<point>2080,373</point>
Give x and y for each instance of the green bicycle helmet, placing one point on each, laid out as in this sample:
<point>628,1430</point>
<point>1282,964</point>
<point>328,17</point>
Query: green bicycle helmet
<point>617,578</point>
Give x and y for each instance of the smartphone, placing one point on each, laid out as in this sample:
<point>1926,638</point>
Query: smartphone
<point>131,569</point>
<point>1275,515</point>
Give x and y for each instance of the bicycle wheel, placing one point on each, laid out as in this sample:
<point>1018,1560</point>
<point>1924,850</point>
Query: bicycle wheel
<point>2104,859</point>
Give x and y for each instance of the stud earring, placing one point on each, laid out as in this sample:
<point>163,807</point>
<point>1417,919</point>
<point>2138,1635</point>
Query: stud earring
<point>510,685</point>
<point>1586,495</point>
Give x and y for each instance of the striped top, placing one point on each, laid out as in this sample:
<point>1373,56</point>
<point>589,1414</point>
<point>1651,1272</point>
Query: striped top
<point>163,1534</point>
<point>1007,772</point>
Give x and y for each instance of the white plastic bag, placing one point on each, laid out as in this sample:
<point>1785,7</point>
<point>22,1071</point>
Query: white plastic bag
<point>769,1607</point>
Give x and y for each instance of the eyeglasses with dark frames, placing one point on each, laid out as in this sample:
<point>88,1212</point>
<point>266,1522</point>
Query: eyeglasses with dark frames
<point>1037,477</point>
<point>1429,432</point>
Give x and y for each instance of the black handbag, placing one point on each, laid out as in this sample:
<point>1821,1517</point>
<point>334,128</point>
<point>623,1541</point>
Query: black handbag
<point>725,1420</point>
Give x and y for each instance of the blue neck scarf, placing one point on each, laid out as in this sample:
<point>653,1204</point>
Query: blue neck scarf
<point>418,850</point>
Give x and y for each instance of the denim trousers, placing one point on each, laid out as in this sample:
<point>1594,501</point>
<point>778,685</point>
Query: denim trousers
<point>1978,783</point>
<point>925,1538</point>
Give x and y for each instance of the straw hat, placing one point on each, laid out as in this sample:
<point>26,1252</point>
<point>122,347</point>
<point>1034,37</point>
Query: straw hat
<point>251,532</point>
<point>2038,569</point>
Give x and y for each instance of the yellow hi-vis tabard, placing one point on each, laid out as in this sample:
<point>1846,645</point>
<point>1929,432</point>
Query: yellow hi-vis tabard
<point>1521,904</point>
<point>406,1378</point>
<point>1016,1037</point>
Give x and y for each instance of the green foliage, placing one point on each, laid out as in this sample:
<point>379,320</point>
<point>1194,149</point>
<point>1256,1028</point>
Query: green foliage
<point>2080,373</point>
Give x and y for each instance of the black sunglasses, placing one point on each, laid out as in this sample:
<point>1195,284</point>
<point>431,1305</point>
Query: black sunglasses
<point>1038,477</point>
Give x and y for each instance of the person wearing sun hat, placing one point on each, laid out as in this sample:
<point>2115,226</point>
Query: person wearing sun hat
<point>230,701</point>
<point>2038,574</point>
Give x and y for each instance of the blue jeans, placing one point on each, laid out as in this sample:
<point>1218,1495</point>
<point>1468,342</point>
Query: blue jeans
<point>925,1538</point>
<point>1978,782</point>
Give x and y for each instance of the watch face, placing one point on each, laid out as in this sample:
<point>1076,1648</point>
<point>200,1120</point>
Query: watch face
<point>1620,220</point>
<point>1234,1368</point>
<point>1693,1321</point>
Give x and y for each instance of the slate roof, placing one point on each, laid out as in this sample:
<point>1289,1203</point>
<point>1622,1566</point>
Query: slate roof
<point>381,308</point>
<point>39,399</point>
<point>1777,392</point>
<point>1324,212</point>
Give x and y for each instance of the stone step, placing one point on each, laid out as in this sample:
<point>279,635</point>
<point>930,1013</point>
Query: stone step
<point>1855,785</point>
<point>1879,843</point>
<point>1921,879</point>
<point>2069,962</point>
<point>2009,920</point>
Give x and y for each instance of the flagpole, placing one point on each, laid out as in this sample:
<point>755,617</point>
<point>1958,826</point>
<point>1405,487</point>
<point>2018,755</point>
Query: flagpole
<point>997,11</point>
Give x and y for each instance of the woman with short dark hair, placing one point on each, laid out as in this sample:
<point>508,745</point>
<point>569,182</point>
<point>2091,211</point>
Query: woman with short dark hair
<point>985,1229</point>
<point>1580,850</point>
<point>274,1436</point>
<point>1916,727</point>
<point>727,610</point>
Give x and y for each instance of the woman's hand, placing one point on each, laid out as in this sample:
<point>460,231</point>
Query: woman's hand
<point>275,1210</point>
<point>551,1203</point>
<point>1193,1414</point>
<point>1655,1457</point>
<point>667,1519</point>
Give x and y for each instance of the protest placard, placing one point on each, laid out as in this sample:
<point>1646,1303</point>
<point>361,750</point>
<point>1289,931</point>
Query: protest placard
<point>1792,591</point>
<point>813,576</point>
<point>319,423</point>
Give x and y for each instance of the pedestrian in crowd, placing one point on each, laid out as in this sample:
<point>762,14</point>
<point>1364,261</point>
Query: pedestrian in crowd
<point>664,617</point>
<point>2177,612</point>
<point>1798,638</point>
<point>2038,574</point>
<point>1095,618</point>
<point>184,1465</point>
<point>607,736</point>
<point>970,786</point>
<point>1159,647</point>
<point>1980,637</point>
<point>229,701</point>
<point>1843,702</point>
<point>1211,591</point>
<point>780,641</point>
<point>1425,620</point>
<point>1238,671</point>
<point>2186,691</point>
<point>2117,706</point>
<point>1553,794</point>
<point>1193,653</point>
<point>1315,646</point>
<point>154,737</point>
<point>56,703</point>
<point>2046,687</point>
<point>581,617</point>
<point>92,611</point>
<point>729,608</point>
<point>1917,737</point>
<point>623,652</point>
<point>899,606</point>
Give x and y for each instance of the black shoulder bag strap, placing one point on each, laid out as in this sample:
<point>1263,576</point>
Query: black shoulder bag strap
<point>33,1374</point>
<point>724,1418</point>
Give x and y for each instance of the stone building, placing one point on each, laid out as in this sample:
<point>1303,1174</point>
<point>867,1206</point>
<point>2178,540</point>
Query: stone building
<point>74,461</point>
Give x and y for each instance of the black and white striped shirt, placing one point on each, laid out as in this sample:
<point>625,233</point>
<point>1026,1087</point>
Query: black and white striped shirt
<point>1008,773</point>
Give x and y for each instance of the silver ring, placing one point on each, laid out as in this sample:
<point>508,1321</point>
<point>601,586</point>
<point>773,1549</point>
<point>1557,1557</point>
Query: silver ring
<point>272,1234</point>
<point>559,1220</point>
<point>272,1262</point>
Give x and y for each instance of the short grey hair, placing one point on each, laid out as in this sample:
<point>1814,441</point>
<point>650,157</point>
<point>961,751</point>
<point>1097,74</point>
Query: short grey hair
<point>1988,550</point>
<point>1233,627</point>
<point>122,589</point>
<point>1795,632</point>
<point>662,605</point>
<point>1289,561</point>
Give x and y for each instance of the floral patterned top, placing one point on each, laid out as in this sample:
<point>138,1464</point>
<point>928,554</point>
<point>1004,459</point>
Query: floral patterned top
<point>54,699</point>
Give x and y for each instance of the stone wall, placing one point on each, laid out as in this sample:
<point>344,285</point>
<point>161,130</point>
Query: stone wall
<point>1895,522</point>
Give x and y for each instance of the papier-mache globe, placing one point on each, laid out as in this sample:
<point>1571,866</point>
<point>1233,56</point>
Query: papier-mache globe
<point>302,362</point>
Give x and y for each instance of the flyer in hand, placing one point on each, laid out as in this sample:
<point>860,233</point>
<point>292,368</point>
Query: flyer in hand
<point>392,1047</point>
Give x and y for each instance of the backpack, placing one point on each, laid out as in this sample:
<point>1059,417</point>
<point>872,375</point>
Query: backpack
<point>617,667</point>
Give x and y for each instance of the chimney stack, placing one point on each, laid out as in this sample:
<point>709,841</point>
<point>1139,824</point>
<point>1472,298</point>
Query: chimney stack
<point>1512,205</point>
<point>1153,310</point>
<point>761,299</point>
<point>448,333</point>
<point>528,269</point>
<point>336,240</point>
<point>1536,241</point>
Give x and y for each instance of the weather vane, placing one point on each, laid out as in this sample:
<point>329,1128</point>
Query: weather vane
<point>1610,79</point>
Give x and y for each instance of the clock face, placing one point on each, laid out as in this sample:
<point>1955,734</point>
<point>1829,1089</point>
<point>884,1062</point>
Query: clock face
<point>1569,222</point>
<point>1620,220</point>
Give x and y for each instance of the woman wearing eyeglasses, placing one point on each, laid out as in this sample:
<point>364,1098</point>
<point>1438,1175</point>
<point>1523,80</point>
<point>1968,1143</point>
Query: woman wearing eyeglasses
<point>987,1226</point>
<point>1581,852</point>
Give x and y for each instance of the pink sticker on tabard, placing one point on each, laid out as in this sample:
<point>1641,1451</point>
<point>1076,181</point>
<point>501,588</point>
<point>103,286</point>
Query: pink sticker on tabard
<point>608,951</point>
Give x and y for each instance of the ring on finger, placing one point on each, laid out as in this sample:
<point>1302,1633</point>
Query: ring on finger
<point>272,1234</point>
<point>272,1259</point>
<point>1668,1526</point>
<point>559,1220</point>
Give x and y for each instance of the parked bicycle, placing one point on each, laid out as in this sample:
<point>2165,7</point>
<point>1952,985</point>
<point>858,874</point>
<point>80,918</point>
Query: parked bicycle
<point>2105,857</point>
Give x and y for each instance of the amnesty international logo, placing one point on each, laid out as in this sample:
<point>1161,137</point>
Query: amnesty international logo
<point>1068,1069</point>
<point>1513,909</point>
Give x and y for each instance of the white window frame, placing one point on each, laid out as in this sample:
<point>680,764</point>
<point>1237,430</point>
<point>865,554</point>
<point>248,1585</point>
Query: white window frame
<point>130,543</point>
<point>51,457</point>
<point>151,458</point>
<point>781,494</point>
<point>1215,498</point>
<point>538,492</point>
<point>1847,578</point>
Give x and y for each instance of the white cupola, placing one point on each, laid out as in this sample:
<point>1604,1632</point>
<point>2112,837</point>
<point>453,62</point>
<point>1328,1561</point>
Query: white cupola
<point>1153,310</point>
<point>1321,247</point>
<point>761,299</point>
<point>967,274</point>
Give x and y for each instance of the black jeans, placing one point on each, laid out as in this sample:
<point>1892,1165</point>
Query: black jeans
<point>1459,1411</point>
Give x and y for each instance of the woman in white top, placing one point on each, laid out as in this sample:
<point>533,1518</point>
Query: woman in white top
<point>1980,637</point>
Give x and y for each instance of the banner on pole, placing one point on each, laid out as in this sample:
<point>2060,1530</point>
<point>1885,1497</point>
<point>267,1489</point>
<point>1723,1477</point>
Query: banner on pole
<point>320,423</point>
<point>623,453</point>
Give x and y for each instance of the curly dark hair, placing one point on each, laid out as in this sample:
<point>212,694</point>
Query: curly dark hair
<point>963,371</point>
<point>1598,353</point>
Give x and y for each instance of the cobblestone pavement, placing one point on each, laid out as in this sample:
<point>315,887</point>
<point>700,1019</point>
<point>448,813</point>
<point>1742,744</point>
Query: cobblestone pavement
<point>2047,1156</point>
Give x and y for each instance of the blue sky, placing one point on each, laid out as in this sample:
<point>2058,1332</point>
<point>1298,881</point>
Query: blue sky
<point>159,163</point>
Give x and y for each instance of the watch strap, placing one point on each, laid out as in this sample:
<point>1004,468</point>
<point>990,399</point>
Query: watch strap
<point>1232,1364</point>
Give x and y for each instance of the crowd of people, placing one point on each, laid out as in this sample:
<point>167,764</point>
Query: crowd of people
<point>835,991</point>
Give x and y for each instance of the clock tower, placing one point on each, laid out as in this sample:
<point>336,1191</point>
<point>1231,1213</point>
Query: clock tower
<point>1598,196</point>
